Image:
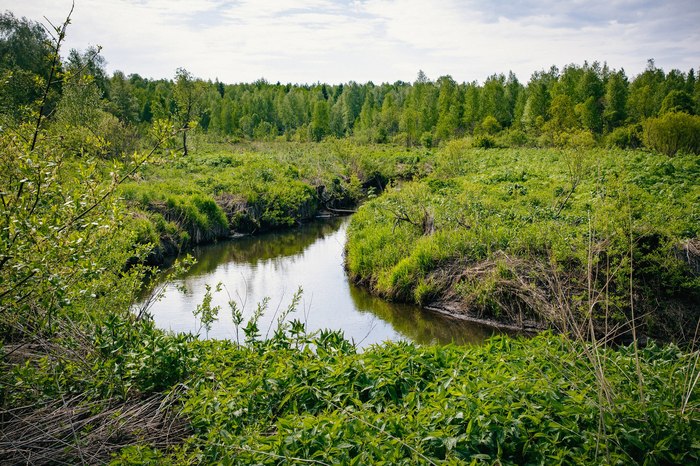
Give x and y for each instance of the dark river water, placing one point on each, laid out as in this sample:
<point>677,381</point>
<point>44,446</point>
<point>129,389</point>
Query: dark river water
<point>275,265</point>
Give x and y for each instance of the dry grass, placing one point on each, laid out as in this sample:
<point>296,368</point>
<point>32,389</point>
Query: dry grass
<point>526,295</point>
<point>79,431</point>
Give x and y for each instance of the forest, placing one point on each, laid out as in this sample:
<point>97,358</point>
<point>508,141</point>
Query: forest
<point>567,206</point>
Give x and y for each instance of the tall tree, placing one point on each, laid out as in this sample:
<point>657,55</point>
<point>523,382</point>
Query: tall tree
<point>24,66</point>
<point>615,102</point>
<point>89,63</point>
<point>187,95</point>
<point>320,121</point>
<point>353,99</point>
<point>366,126</point>
<point>646,92</point>
<point>389,117</point>
<point>590,91</point>
<point>472,111</point>
<point>493,100</point>
<point>449,108</point>
<point>123,103</point>
<point>539,96</point>
<point>515,98</point>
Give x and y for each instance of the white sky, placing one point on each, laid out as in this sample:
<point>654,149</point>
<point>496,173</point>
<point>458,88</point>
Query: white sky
<point>336,41</point>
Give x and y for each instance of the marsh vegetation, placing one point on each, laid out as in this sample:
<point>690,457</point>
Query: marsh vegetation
<point>568,204</point>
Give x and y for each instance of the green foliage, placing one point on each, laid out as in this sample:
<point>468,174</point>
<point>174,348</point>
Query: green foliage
<point>402,404</point>
<point>484,142</point>
<point>490,233</point>
<point>625,137</point>
<point>25,65</point>
<point>487,229</point>
<point>677,101</point>
<point>673,133</point>
<point>490,125</point>
<point>133,356</point>
<point>426,139</point>
<point>320,122</point>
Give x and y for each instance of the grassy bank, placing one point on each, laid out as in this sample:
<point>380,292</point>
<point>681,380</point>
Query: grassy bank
<point>541,237</point>
<point>221,189</point>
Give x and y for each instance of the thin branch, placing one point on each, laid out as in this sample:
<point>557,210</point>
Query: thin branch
<point>54,65</point>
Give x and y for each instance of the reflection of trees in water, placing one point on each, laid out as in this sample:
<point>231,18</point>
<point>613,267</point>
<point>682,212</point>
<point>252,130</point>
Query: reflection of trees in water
<point>417,324</point>
<point>253,249</point>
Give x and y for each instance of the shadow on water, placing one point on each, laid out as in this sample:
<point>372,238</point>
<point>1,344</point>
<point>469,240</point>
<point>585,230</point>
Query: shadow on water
<point>419,325</point>
<point>274,265</point>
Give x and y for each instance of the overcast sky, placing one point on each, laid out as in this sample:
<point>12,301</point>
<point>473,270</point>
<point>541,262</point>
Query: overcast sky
<point>336,41</point>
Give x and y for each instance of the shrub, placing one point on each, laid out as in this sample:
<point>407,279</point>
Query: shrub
<point>625,137</point>
<point>672,133</point>
<point>490,125</point>
<point>484,142</point>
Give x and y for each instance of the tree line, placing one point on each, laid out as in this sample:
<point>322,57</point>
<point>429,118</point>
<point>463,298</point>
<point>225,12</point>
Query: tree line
<point>576,105</point>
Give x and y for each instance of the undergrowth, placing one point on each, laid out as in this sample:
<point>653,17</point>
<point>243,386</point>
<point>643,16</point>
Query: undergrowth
<point>297,400</point>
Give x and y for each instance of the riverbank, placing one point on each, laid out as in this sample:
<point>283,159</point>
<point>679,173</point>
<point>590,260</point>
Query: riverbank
<point>222,190</point>
<point>541,239</point>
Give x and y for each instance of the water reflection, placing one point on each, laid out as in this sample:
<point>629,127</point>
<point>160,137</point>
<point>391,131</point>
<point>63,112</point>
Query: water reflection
<point>275,265</point>
<point>417,324</point>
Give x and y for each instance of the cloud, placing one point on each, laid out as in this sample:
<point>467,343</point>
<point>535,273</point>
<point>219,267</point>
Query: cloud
<point>379,40</point>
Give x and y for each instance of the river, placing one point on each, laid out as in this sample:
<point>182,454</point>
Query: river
<point>275,265</point>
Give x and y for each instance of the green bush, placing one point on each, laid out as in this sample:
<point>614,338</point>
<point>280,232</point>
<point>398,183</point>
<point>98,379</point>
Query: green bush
<point>426,139</point>
<point>484,141</point>
<point>625,137</point>
<point>490,125</point>
<point>673,133</point>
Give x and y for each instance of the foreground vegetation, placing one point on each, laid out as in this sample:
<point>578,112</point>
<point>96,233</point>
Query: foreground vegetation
<point>84,379</point>
<point>508,401</point>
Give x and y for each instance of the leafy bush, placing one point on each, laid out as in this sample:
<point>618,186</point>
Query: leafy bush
<point>673,133</point>
<point>426,139</point>
<point>625,137</point>
<point>484,141</point>
<point>490,125</point>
